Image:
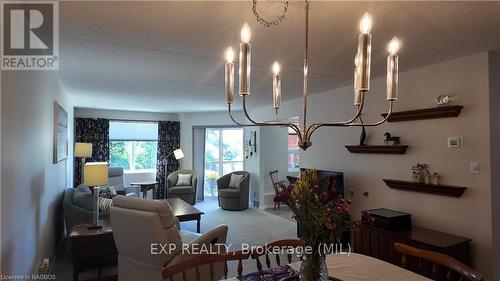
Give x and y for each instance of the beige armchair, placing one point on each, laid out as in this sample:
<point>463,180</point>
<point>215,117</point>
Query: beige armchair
<point>141,226</point>
<point>184,192</point>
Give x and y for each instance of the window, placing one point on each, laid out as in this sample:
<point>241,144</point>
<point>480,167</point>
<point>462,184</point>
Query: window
<point>133,145</point>
<point>223,155</point>
<point>293,151</point>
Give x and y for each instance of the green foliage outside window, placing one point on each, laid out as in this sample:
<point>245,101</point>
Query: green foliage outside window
<point>119,156</point>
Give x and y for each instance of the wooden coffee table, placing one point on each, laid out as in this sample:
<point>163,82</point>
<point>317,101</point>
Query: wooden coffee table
<point>184,211</point>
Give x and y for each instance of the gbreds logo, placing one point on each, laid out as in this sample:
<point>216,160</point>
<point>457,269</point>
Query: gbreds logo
<point>30,35</point>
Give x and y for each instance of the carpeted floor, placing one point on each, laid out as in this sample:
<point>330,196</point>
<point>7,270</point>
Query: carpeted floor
<point>252,226</point>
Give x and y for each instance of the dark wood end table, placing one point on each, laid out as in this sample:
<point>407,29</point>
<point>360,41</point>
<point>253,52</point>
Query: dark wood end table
<point>92,248</point>
<point>146,186</point>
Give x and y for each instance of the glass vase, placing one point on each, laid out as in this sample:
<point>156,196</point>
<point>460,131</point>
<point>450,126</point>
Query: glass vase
<point>313,268</point>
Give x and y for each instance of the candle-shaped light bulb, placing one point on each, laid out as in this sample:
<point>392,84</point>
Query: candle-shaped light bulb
<point>245,33</point>
<point>276,86</point>
<point>229,75</point>
<point>365,25</point>
<point>392,69</point>
<point>393,46</point>
<point>229,55</point>
<point>245,60</point>
<point>276,68</point>
<point>365,53</point>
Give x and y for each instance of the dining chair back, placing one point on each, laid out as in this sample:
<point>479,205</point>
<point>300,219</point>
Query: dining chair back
<point>277,185</point>
<point>287,246</point>
<point>181,268</point>
<point>454,269</point>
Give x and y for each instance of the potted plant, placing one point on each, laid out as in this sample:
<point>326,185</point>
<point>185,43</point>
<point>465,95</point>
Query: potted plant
<point>211,178</point>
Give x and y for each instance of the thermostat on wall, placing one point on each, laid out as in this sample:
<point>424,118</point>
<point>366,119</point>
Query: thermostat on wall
<point>454,142</point>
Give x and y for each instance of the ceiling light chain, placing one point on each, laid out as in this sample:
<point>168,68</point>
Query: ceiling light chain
<point>275,21</point>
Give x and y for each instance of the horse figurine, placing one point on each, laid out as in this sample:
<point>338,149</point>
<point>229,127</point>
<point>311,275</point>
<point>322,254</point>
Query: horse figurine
<point>389,138</point>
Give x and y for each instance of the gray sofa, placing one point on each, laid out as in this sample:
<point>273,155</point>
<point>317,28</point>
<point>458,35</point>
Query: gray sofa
<point>77,206</point>
<point>184,192</point>
<point>77,203</point>
<point>234,198</point>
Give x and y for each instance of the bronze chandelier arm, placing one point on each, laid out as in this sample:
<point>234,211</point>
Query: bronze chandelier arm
<point>316,126</point>
<point>234,119</point>
<point>391,103</point>
<point>294,127</point>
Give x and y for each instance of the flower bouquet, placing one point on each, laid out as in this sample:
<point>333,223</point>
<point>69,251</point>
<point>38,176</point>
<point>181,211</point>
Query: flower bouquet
<point>322,215</point>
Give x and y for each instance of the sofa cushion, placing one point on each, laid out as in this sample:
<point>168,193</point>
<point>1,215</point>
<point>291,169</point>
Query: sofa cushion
<point>229,192</point>
<point>235,180</point>
<point>184,180</point>
<point>181,189</point>
<point>82,197</point>
<point>104,205</point>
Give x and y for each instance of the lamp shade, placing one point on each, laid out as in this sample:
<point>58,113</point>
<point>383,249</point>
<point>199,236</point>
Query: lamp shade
<point>96,174</point>
<point>178,154</point>
<point>83,149</point>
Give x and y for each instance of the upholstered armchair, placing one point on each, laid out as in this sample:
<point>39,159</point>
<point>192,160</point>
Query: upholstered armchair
<point>116,179</point>
<point>234,198</point>
<point>184,192</point>
<point>148,239</point>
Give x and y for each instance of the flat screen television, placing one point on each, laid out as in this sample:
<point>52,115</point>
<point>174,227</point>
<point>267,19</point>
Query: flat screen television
<point>339,182</point>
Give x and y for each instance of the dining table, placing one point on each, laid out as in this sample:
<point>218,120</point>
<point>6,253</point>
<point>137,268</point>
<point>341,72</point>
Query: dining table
<point>358,267</point>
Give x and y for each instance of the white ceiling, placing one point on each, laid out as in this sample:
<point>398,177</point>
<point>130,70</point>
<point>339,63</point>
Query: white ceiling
<point>168,56</point>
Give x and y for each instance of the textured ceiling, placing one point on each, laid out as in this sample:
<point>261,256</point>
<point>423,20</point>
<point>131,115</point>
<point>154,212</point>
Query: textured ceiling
<point>168,56</point>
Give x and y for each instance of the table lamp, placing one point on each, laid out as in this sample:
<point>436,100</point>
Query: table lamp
<point>83,150</point>
<point>96,174</point>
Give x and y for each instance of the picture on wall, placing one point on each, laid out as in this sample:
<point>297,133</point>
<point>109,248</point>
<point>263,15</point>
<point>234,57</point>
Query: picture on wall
<point>60,133</point>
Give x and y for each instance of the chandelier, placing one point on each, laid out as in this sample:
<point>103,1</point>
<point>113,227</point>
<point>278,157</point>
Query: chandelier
<point>362,67</point>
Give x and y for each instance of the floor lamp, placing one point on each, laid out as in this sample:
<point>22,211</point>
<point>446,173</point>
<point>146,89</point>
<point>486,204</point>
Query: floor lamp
<point>178,154</point>
<point>96,175</point>
<point>83,150</point>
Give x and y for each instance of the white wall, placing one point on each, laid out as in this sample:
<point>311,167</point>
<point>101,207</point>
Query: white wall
<point>128,115</point>
<point>466,79</point>
<point>32,187</point>
<point>495,157</point>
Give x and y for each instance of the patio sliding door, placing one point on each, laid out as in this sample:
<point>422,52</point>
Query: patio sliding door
<point>223,155</point>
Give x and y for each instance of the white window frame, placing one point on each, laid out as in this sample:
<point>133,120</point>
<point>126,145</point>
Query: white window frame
<point>292,150</point>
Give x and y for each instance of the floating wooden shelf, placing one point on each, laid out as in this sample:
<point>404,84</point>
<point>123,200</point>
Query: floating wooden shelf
<point>378,149</point>
<point>447,190</point>
<point>427,113</point>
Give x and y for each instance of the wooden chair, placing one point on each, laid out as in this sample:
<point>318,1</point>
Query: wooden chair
<point>207,259</point>
<point>277,185</point>
<point>169,273</point>
<point>266,250</point>
<point>454,266</point>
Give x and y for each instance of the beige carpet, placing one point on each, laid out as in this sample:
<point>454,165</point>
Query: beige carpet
<point>252,226</point>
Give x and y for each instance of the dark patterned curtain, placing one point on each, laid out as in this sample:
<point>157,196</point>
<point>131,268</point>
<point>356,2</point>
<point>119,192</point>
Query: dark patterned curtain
<point>169,139</point>
<point>95,131</point>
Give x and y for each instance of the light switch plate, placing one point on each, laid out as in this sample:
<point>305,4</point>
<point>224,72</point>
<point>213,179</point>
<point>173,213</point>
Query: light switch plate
<point>454,142</point>
<point>474,168</point>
